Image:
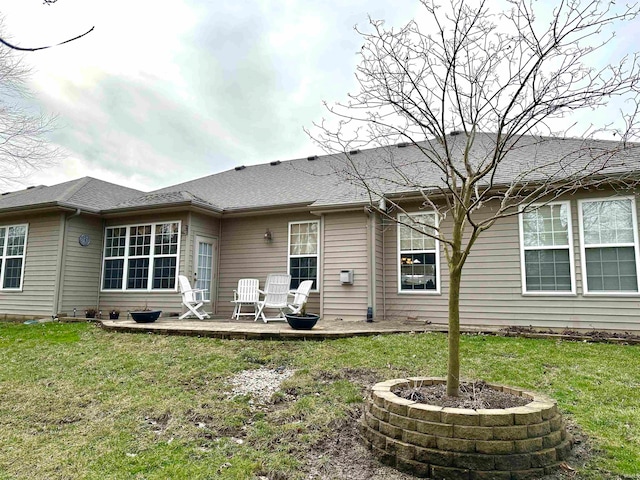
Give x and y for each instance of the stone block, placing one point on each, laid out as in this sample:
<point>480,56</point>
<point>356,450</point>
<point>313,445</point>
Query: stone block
<point>563,450</point>
<point>434,457</point>
<point>538,429</point>
<point>516,432</point>
<point>494,475</point>
<point>552,440</point>
<point>516,461</point>
<point>473,433</point>
<point>495,447</point>
<point>525,415</point>
<point>556,423</point>
<point>543,458</point>
<point>460,416</point>
<point>389,384</point>
<point>383,456</point>
<point>403,422</point>
<point>379,412</point>
<point>397,405</point>
<point>417,382</point>
<point>375,438</point>
<point>421,411</point>
<point>527,445</point>
<point>529,474</point>
<point>401,449</point>
<point>412,467</point>
<point>419,439</point>
<point>371,421</point>
<point>495,417</point>
<point>547,409</point>
<point>437,429</point>
<point>390,430</point>
<point>473,461</point>
<point>379,397</point>
<point>449,473</point>
<point>456,444</point>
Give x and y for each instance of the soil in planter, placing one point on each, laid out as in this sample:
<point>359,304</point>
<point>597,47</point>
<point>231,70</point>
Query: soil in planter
<point>472,395</point>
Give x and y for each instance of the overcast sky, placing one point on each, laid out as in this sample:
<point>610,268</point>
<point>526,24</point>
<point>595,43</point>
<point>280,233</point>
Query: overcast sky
<point>164,92</point>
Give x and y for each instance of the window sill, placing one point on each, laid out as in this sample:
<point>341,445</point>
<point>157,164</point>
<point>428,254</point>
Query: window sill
<point>549,294</point>
<point>419,292</point>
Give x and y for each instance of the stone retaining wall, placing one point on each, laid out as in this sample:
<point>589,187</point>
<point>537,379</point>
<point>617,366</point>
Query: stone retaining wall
<point>454,443</point>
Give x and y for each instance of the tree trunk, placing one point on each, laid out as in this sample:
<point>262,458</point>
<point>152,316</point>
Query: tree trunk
<point>453,370</point>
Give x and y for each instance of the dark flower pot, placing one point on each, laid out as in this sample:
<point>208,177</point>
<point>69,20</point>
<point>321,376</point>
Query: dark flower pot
<point>302,322</point>
<point>114,315</point>
<point>90,314</point>
<point>146,317</point>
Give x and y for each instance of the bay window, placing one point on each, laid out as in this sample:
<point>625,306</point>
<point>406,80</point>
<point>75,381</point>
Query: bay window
<point>546,249</point>
<point>141,257</point>
<point>609,245</point>
<point>419,259</point>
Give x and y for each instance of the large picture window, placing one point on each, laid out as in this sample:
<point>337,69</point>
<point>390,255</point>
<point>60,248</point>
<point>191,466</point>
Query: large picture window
<point>141,257</point>
<point>304,249</point>
<point>419,261</point>
<point>609,243</point>
<point>13,241</point>
<point>546,249</point>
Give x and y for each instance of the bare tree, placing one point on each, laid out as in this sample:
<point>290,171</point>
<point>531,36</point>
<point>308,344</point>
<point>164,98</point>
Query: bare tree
<point>23,146</point>
<point>469,71</point>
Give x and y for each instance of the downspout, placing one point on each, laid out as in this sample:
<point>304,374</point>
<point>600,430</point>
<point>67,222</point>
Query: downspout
<point>384,270</point>
<point>57,298</point>
<point>219,256</point>
<point>371,267</point>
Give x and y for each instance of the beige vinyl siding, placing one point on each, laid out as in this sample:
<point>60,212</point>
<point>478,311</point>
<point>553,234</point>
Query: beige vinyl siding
<point>491,293</point>
<point>244,253</point>
<point>40,268</point>
<point>169,301</point>
<point>345,247</point>
<point>81,266</point>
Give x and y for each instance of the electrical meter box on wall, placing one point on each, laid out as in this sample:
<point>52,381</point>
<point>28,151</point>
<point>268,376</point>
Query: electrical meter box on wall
<point>346,277</point>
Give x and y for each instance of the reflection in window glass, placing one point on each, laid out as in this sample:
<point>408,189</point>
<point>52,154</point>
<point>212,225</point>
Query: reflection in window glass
<point>418,252</point>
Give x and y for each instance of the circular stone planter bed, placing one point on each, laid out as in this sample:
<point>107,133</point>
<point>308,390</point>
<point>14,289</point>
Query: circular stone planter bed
<point>457,443</point>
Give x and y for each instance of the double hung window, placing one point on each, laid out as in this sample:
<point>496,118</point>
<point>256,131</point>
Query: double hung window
<point>13,240</point>
<point>419,262</point>
<point>304,249</point>
<point>547,253</point>
<point>609,243</point>
<point>141,257</point>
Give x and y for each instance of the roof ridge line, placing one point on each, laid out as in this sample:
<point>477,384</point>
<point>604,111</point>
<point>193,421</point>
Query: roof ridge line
<point>82,182</point>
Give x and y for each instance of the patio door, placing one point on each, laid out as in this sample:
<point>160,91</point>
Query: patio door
<point>204,261</point>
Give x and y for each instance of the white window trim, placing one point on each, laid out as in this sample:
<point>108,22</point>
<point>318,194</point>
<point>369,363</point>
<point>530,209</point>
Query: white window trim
<point>317,255</point>
<point>4,257</point>
<point>436,250</point>
<point>583,247</point>
<point>151,257</point>
<point>523,272</point>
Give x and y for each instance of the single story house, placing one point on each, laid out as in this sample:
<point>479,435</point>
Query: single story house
<point>92,244</point>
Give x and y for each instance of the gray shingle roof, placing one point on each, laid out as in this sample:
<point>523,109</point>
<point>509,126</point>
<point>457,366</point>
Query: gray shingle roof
<point>322,181</point>
<point>85,193</point>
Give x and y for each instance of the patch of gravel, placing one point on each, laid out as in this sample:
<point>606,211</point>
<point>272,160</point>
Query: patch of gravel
<point>261,383</point>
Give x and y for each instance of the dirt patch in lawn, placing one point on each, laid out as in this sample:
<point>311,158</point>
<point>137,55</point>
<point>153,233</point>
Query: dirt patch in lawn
<point>472,395</point>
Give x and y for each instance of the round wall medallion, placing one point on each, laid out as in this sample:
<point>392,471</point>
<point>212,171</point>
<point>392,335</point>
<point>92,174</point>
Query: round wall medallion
<point>84,239</point>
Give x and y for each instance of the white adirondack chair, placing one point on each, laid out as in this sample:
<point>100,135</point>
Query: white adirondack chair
<point>276,292</point>
<point>193,299</point>
<point>300,296</point>
<point>247,294</point>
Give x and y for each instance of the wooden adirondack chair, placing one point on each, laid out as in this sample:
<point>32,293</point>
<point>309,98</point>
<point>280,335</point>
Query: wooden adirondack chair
<point>276,293</point>
<point>247,294</point>
<point>193,299</point>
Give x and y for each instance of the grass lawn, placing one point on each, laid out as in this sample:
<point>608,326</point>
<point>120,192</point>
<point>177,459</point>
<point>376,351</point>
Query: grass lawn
<point>79,402</point>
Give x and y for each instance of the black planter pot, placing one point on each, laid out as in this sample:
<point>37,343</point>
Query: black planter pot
<point>302,322</point>
<point>146,317</point>
<point>114,315</point>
